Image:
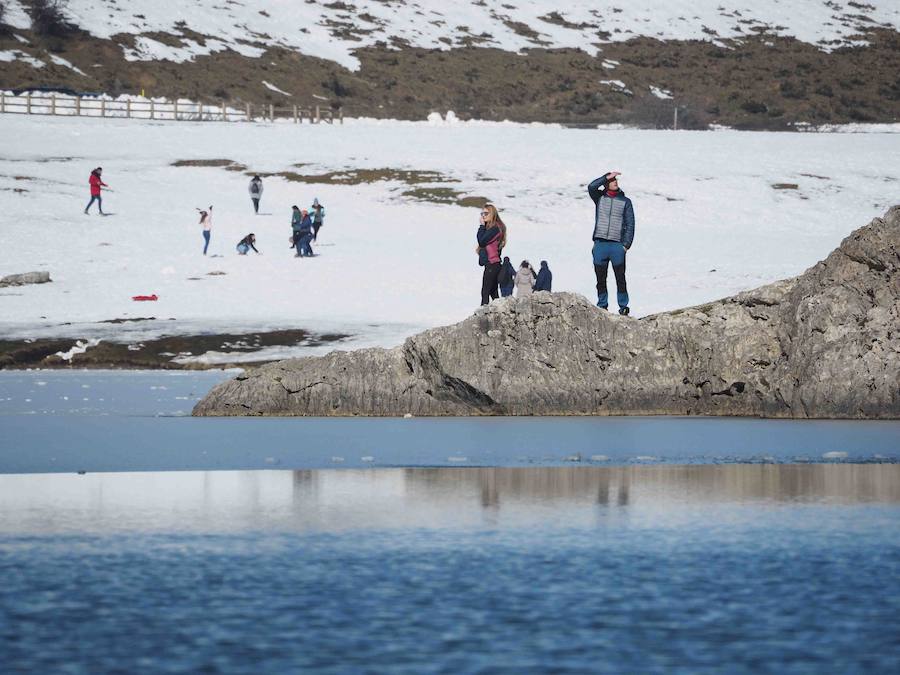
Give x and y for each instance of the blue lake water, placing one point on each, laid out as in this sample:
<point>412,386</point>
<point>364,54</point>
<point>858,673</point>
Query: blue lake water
<point>121,421</point>
<point>450,546</point>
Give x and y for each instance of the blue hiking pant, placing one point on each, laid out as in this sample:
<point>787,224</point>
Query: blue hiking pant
<point>303,247</point>
<point>95,198</point>
<point>205,241</point>
<point>506,291</point>
<point>242,249</point>
<point>606,252</point>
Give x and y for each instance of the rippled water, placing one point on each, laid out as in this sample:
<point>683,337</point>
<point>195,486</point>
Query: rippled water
<point>581,545</point>
<point>633,569</point>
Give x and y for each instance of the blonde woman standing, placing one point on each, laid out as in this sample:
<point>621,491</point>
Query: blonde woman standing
<point>491,240</point>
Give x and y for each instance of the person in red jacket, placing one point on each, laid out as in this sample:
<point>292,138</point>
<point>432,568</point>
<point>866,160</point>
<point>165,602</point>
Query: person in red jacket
<point>96,183</point>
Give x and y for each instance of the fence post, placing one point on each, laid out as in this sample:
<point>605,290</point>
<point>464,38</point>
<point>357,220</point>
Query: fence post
<point>175,110</point>
<point>271,112</point>
<point>341,113</point>
<point>78,106</point>
<point>675,122</point>
<point>2,101</point>
<point>28,103</point>
<point>128,108</point>
<point>102,107</point>
<point>318,115</point>
<point>295,113</point>
<point>53,104</point>
<point>151,108</point>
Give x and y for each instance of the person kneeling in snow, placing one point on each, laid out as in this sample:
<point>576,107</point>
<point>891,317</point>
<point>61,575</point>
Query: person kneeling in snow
<point>245,244</point>
<point>544,278</point>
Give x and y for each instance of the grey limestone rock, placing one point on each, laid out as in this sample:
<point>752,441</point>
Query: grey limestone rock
<point>25,278</point>
<point>825,344</point>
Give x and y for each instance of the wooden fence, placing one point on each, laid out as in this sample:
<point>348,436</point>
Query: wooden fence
<point>181,111</point>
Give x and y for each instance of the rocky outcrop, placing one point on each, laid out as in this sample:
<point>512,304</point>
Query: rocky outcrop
<point>825,344</point>
<point>25,278</point>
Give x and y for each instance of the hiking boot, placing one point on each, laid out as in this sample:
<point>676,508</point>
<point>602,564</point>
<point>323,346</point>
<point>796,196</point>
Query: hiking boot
<point>624,311</point>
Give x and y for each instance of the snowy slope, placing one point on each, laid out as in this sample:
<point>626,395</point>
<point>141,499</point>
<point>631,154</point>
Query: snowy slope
<point>709,220</point>
<point>333,30</point>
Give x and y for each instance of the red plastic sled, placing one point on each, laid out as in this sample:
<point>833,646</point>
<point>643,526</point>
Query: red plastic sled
<point>144,298</point>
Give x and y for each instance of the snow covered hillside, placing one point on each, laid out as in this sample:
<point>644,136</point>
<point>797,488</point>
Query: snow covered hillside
<point>333,30</point>
<point>717,212</point>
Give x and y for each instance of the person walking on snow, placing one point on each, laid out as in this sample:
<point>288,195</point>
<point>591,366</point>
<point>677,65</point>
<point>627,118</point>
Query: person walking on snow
<point>524,280</point>
<point>304,235</point>
<point>296,219</point>
<point>317,214</point>
<point>246,244</point>
<point>96,183</point>
<point>544,278</point>
<point>506,278</point>
<point>256,190</point>
<point>613,236</point>
<point>206,222</point>
<point>491,239</point>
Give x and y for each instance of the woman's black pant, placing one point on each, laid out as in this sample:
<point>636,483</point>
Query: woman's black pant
<point>255,204</point>
<point>489,282</point>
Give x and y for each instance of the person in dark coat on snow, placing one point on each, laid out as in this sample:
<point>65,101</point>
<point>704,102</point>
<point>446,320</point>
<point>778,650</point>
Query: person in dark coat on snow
<point>255,189</point>
<point>613,236</point>
<point>317,214</point>
<point>506,278</point>
<point>245,244</point>
<point>96,183</point>
<point>304,234</point>
<point>544,278</point>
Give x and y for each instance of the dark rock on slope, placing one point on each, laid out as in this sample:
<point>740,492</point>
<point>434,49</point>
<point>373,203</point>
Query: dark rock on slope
<point>825,344</point>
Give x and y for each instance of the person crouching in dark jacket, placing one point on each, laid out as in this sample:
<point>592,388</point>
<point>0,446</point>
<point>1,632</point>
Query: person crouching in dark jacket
<point>544,278</point>
<point>246,244</point>
<point>506,278</point>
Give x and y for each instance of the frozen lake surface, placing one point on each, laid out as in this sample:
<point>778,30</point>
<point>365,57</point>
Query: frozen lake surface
<point>435,545</point>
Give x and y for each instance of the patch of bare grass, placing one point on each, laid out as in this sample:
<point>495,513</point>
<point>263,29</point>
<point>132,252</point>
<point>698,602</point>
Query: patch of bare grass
<point>365,176</point>
<point>207,162</point>
<point>444,195</point>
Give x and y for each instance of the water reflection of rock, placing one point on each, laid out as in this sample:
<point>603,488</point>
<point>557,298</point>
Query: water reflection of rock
<point>391,499</point>
<point>704,483</point>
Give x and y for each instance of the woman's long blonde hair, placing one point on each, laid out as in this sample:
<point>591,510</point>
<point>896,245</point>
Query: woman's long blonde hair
<point>495,219</point>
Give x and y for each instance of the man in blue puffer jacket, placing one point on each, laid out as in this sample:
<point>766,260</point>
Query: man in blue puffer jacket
<point>613,236</point>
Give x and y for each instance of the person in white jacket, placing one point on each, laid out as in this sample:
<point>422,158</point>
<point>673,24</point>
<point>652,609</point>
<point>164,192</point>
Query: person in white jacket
<point>524,280</point>
<point>256,190</point>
